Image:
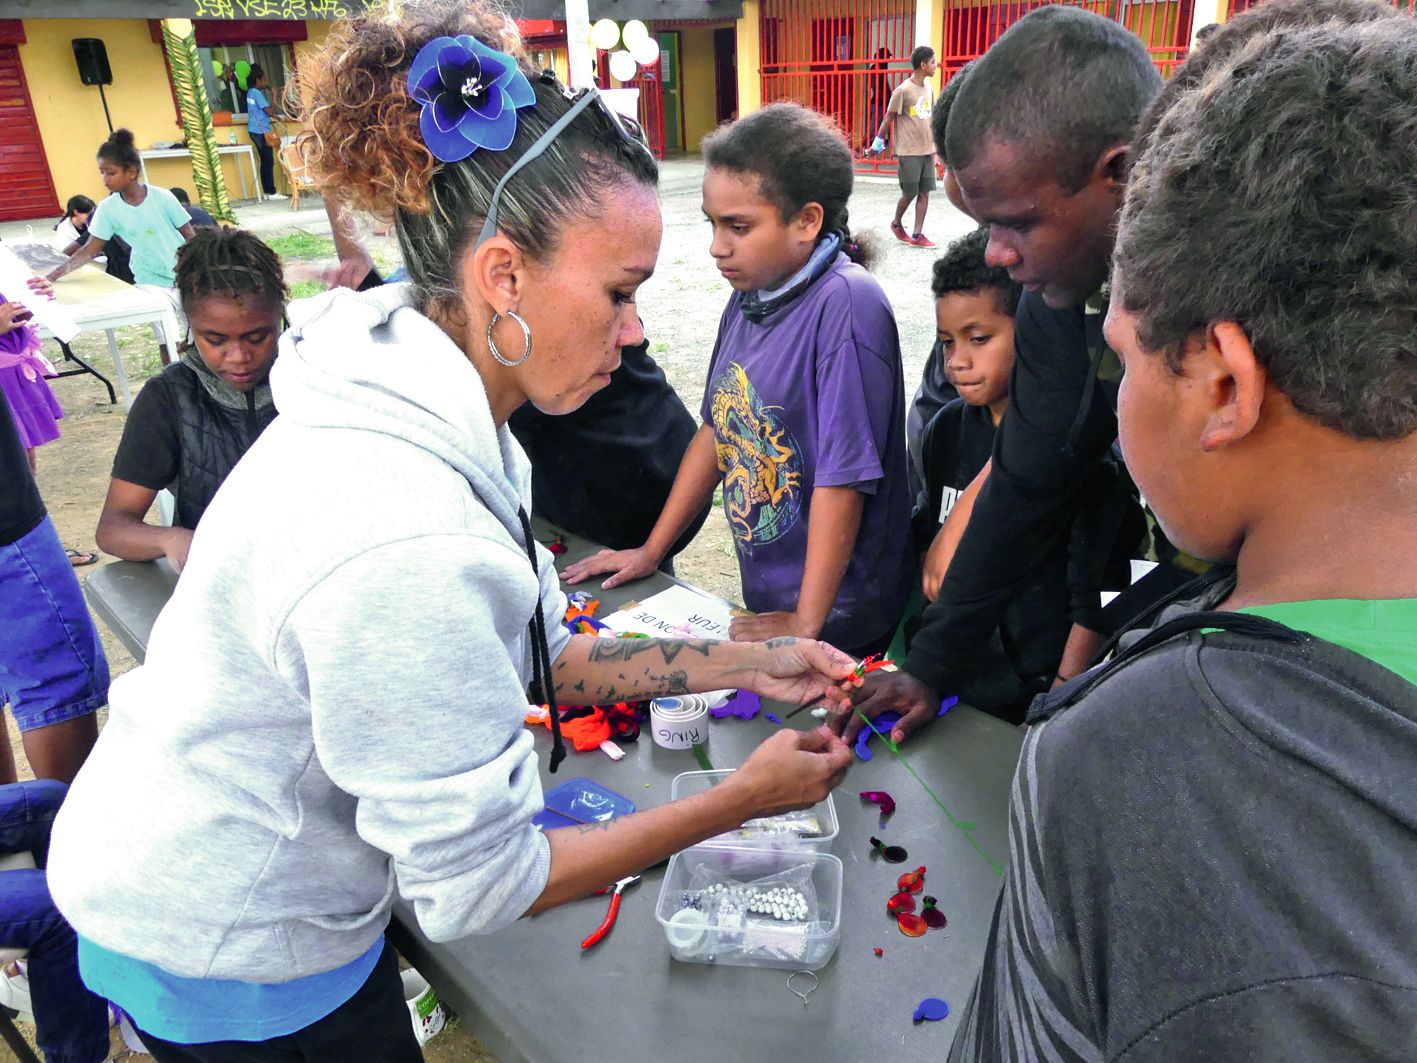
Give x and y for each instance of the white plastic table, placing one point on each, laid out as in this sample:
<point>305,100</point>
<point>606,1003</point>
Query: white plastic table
<point>241,151</point>
<point>97,301</point>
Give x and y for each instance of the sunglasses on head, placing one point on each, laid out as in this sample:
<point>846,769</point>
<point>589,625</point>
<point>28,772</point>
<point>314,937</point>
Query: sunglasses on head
<point>630,132</point>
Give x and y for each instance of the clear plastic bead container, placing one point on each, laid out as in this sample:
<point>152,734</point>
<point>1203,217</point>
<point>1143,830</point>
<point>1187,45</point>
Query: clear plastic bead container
<point>814,828</point>
<point>710,925</point>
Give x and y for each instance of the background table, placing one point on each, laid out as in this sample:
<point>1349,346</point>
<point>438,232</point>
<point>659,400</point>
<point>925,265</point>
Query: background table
<point>97,301</point>
<point>241,151</point>
<point>530,993</point>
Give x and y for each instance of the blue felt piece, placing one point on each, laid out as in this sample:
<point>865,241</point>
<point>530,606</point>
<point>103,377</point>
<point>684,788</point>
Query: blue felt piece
<point>931,1009</point>
<point>886,720</point>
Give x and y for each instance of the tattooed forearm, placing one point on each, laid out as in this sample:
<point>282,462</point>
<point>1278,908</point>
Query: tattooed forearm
<point>596,671</point>
<point>626,649</point>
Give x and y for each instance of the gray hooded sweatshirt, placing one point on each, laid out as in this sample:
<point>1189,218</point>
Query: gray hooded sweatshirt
<point>331,708</point>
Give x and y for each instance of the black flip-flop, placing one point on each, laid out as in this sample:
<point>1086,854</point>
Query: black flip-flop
<point>75,556</point>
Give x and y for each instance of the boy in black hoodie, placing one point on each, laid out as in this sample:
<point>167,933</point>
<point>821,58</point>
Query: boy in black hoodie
<point>1214,834</point>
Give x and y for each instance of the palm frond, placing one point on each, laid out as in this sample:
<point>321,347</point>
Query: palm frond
<point>197,122</point>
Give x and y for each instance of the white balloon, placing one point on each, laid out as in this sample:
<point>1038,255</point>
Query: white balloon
<point>622,66</point>
<point>605,34</point>
<point>646,52</point>
<point>634,30</point>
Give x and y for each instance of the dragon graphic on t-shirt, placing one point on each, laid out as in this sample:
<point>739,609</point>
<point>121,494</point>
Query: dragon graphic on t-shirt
<point>759,458</point>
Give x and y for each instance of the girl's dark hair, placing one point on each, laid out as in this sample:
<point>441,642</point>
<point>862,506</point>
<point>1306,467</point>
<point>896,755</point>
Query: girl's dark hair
<point>962,268</point>
<point>799,157</point>
<point>231,263</point>
<point>367,149</point>
<point>119,149</point>
<point>78,205</point>
<point>255,74</point>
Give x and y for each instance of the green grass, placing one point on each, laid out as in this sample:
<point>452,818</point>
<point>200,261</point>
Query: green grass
<point>302,245</point>
<point>305,289</point>
<point>659,347</point>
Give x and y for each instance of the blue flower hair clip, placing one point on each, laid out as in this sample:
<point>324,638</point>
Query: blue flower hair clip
<point>469,94</point>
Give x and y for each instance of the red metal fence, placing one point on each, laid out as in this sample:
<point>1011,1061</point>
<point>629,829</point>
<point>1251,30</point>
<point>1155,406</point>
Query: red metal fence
<point>971,26</point>
<point>839,57</point>
<point>843,57</point>
<point>651,106</point>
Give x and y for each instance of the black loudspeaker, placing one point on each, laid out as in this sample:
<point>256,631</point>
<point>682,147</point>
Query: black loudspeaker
<point>92,58</point>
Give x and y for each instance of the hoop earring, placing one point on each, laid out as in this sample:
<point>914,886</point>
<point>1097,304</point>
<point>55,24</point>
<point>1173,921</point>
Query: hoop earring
<point>492,343</point>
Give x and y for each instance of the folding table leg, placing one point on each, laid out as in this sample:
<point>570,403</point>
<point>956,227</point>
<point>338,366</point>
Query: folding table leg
<point>118,369</point>
<point>12,1037</point>
<point>70,356</point>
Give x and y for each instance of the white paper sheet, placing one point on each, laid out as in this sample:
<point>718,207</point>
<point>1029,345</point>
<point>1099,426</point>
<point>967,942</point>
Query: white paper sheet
<point>674,613</point>
<point>14,282</point>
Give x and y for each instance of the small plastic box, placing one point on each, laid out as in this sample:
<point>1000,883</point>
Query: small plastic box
<point>800,947</point>
<point>819,840</point>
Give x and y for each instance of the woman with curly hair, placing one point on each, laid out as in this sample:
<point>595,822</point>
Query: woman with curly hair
<point>331,709</point>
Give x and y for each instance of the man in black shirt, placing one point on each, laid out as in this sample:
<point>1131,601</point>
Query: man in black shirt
<point>53,673</point>
<point>1038,139</point>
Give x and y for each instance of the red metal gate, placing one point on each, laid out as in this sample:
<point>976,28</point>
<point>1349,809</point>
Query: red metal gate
<point>971,26</point>
<point>651,105</point>
<point>839,57</point>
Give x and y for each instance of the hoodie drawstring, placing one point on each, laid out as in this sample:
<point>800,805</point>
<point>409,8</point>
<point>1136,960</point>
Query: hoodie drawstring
<point>541,651</point>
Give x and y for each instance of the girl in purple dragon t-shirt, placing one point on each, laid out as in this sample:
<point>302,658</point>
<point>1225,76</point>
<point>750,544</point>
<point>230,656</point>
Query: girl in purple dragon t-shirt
<point>804,413</point>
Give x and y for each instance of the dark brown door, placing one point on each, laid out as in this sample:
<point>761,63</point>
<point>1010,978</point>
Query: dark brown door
<point>24,170</point>
<point>725,73</point>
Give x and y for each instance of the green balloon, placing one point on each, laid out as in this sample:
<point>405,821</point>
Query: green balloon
<point>242,69</point>
<point>218,67</point>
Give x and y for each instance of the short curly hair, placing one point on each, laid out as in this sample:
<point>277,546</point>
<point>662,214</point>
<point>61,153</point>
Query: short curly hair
<point>799,156</point>
<point>366,149</point>
<point>1271,17</point>
<point>1064,82</point>
<point>962,268</point>
<point>940,116</point>
<point>1278,193</point>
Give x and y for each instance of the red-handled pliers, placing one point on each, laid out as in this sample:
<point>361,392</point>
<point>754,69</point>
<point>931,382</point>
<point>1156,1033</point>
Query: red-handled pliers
<point>610,916</point>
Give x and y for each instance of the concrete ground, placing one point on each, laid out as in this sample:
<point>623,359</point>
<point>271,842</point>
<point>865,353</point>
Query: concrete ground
<point>680,305</point>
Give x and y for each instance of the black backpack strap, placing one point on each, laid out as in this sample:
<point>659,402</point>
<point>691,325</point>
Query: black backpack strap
<point>1045,705</point>
<point>1192,588</point>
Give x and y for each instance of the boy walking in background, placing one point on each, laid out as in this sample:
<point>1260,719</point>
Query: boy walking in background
<point>908,113</point>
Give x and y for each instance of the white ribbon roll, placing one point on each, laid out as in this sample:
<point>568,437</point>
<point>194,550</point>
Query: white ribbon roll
<point>679,723</point>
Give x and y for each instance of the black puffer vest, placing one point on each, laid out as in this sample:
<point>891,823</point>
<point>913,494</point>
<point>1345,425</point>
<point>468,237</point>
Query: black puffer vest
<point>216,425</point>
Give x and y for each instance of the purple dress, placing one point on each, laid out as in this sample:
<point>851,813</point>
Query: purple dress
<point>22,373</point>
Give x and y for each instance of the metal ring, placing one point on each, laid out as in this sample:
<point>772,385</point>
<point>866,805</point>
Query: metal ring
<point>492,343</point>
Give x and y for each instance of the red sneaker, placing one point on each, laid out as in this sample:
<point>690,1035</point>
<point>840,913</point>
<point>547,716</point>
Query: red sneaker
<point>900,233</point>
<point>921,240</point>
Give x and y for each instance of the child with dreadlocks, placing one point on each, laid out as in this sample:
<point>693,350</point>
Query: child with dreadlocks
<point>190,425</point>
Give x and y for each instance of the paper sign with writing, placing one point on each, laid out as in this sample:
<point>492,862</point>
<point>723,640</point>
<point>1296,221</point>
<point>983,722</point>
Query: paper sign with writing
<point>674,613</point>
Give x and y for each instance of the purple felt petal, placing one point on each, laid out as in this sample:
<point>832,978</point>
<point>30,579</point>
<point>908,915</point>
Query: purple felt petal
<point>880,797</point>
<point>447,110</point>
<point>744,705</point>
<point>772,717</point>
<point>494,135</point>
<point>423,74</point>
<point>446,146</point>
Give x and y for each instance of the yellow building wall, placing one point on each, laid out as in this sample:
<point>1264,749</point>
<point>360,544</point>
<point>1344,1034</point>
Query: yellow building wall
<point>699,88</point>
<point>750,82</point>
<point>70,115</point>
